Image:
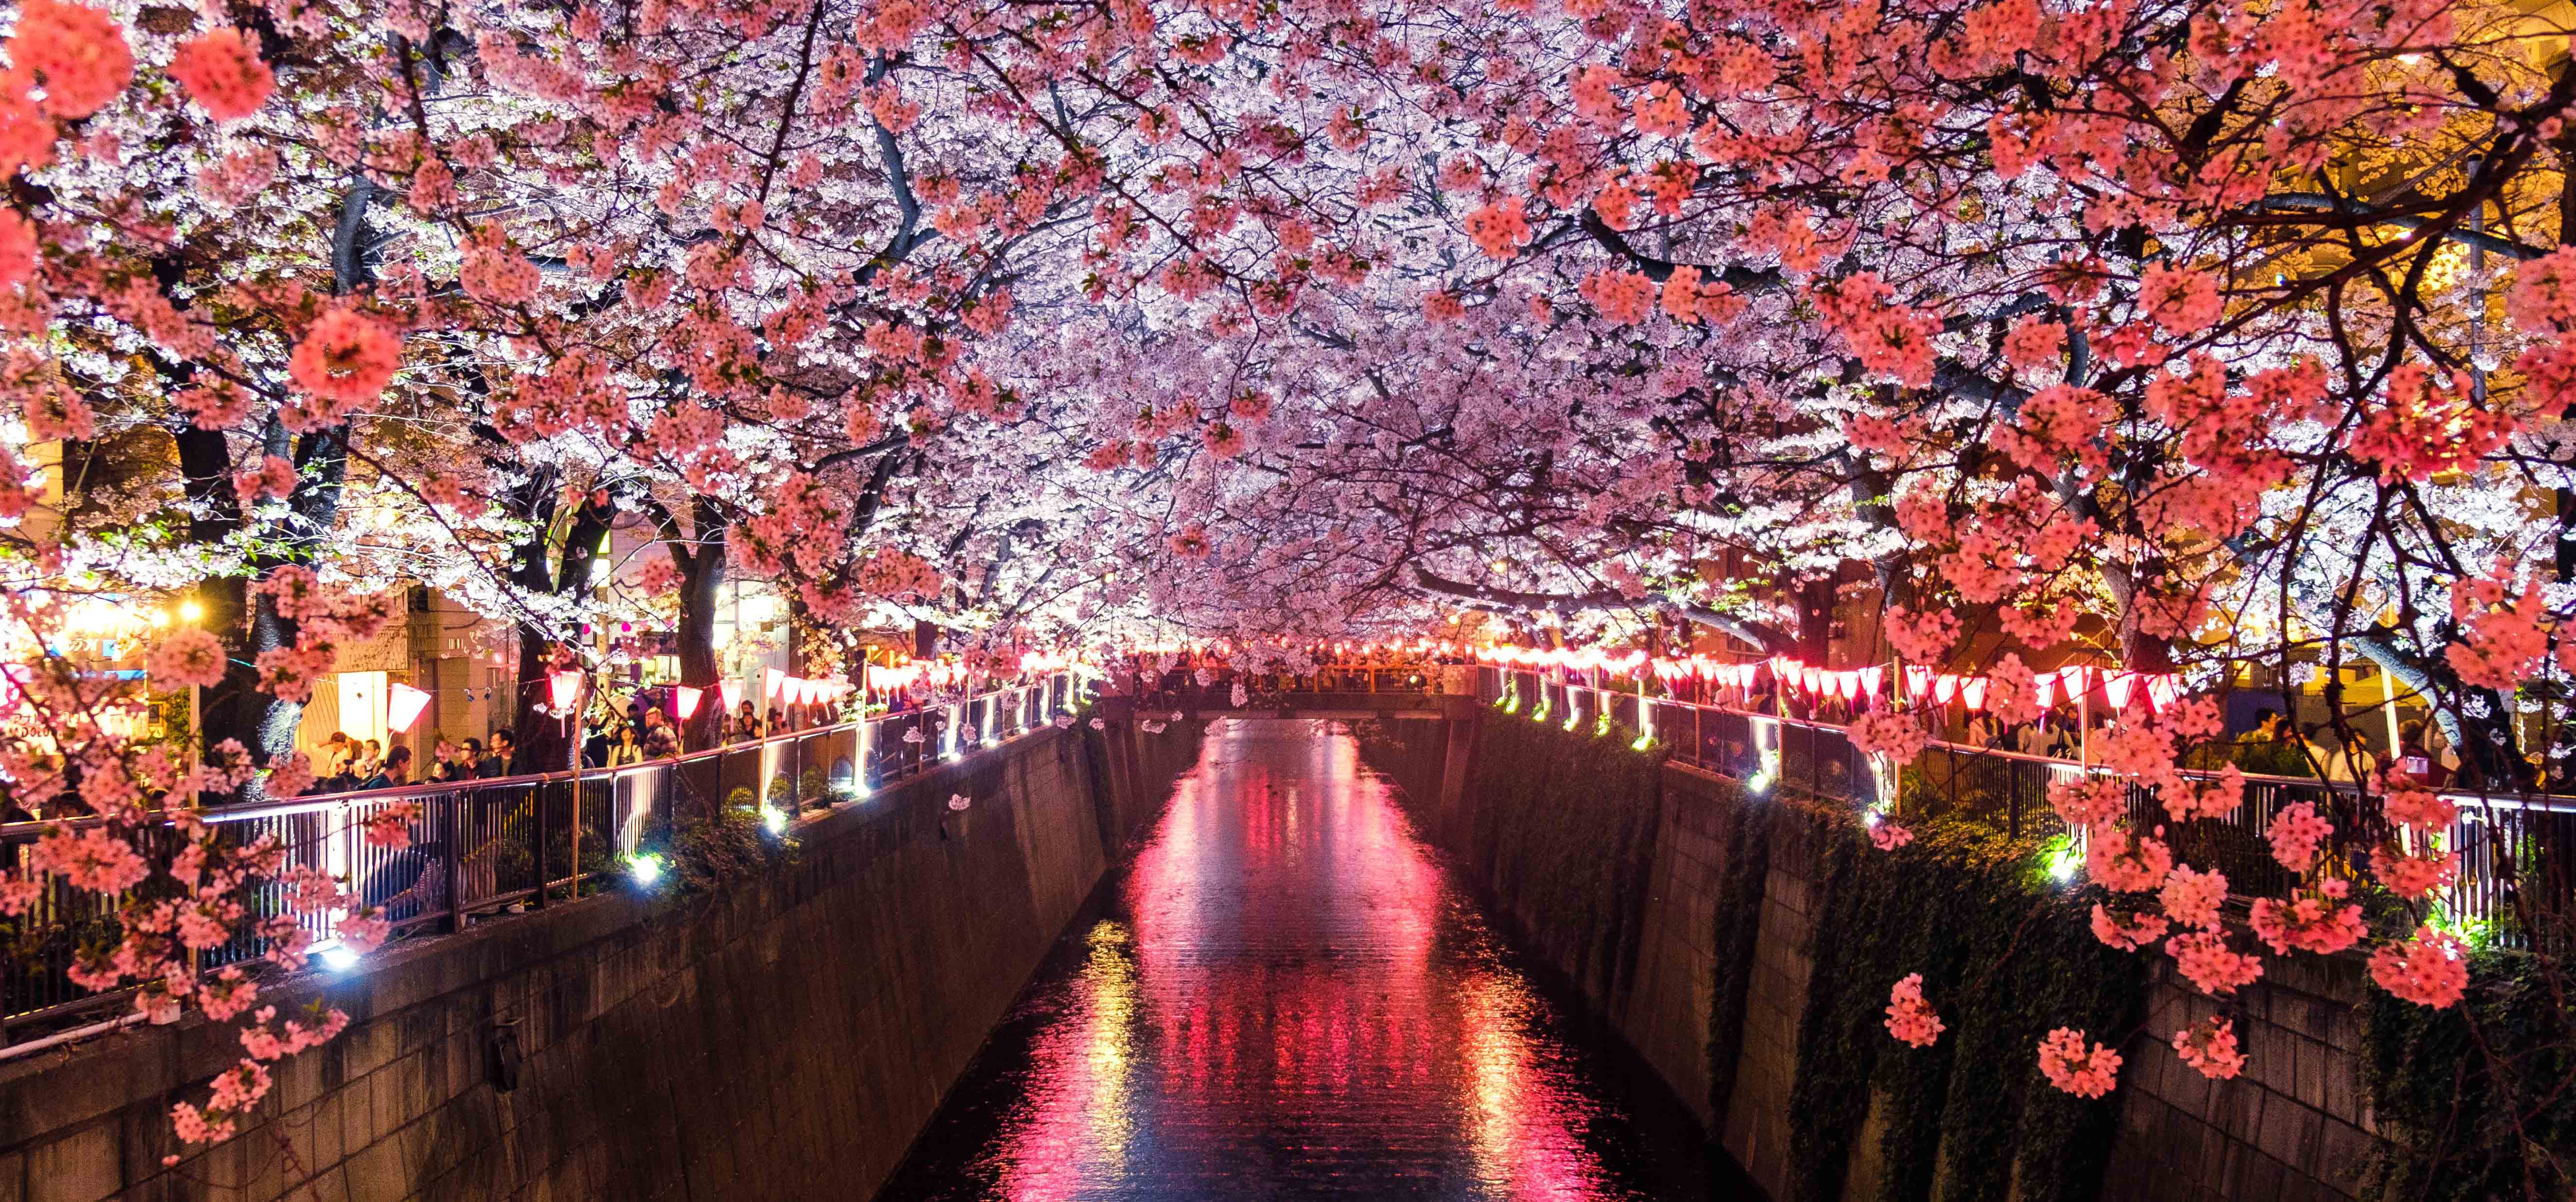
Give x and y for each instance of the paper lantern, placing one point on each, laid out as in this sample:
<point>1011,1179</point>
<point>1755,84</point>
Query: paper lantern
<point>1944,687</point>
<point>1847,684</point>
<point>2163,689</point>
<point>685,699</point>
<point>403,705</point>
<point>2078,680</point>
<point>565,688</point>
<point>2116,686</point>
<point>1918,681</point>
<point>2043,689</point>
<point>731,690</point>
<point>775,681</point>
<point>1972,693</point>
<point>1872,678</point>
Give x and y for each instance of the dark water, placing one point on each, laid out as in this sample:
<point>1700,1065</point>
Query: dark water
<point>1288,998</point>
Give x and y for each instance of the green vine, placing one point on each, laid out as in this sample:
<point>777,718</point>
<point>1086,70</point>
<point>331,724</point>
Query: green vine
<point>2005,958</point>
<point>2477,1100</point>
<point>1562,824</point>
<point>1744,830</point>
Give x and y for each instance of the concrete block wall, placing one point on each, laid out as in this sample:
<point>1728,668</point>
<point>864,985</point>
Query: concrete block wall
<point>2295,1127</point>
<point>1666,1014</point>
<point>1756,1132</point>
<point>785,1039</point>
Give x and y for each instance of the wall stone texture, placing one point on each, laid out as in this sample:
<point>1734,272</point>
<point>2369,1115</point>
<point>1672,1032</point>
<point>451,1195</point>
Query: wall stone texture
<point>784,1038</point>
<point>2294,1128</point>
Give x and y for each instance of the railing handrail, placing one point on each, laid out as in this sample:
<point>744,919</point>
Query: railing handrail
<point>465,868</point>
<point>2542,802</point>
<point>311,803</point>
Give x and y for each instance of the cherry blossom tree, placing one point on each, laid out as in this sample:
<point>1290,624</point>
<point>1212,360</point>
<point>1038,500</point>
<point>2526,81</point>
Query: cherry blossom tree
<point>2202,337</point>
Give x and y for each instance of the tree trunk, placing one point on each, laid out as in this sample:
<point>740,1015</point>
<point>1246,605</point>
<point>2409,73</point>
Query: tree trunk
<point>702,579</point>
<point>551,742</point>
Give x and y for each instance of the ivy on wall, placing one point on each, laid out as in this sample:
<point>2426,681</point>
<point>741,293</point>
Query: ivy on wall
<point>2005,958</point>
<point>1561,824</point>
<point>2476,1101</point>
<point>1744,831</point>
<point>1565,825</point>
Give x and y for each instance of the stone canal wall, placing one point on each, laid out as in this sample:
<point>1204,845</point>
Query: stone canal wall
<point>1711,974</point>
<point>783,1039</point>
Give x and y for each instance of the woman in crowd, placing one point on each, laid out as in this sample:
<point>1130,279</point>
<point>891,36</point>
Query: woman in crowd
<point>624,748</point>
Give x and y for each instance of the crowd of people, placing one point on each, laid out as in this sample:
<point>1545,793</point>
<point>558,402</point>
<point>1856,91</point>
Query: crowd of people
<point>622,731</point>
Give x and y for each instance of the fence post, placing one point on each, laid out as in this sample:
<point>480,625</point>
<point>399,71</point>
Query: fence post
<point>455,870</point>
<point>575,875</point>
<point>538,807</point>
<point>2012,792</point>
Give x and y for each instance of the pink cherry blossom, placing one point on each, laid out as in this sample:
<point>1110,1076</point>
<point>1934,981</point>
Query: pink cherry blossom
<point>223,72</point>
<point>2072,1066</point>
<point>78,51</point>
<point>2296,834</point>
<point>2429,969</point>
<point>2209,1047</point>
<point>345,360</point>
<point>1909,1018</point>
<point>2204,958</point>
<point>187,658</point>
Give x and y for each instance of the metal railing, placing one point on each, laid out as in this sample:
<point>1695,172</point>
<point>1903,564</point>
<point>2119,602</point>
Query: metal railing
<point>2517,853</point>
<point>1213,688</point>
<point>486,846</point>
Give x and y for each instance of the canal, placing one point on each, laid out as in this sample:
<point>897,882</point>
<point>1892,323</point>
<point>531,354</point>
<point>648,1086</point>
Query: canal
<point>1286,996</point>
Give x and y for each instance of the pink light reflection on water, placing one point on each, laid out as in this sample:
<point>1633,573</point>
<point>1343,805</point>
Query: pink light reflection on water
<point>1292,1000</point>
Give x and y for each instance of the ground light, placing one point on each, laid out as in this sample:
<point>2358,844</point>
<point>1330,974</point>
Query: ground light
<point>1643,742</point>
<point>1759,782</point>
<point>2061,859</point>
<point>774,818</point>
<point>646,869</point>
<point>337,956</point>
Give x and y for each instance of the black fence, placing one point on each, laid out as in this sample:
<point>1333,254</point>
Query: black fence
<point>484,847</point>
<point>2517,877</point>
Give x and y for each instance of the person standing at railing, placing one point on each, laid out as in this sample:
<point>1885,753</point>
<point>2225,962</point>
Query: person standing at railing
<point>396,768</point>
<point>333,757</point>
<point>442,764</point>
<point>371,758</point>
<point>660,739</point>
<point>2342,761</point>
<point>746,723</point>
<point>2416,761</point>
<point>500,760</point>
<point>624,748</point>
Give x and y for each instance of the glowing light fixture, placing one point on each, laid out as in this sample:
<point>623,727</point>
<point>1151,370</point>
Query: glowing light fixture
<point>403,705</point>
<point>337,956</point>
<point>190,610</point>
<point>564,687</point>
<point>686,699</point>
<point>646,869</point>
<point>732,691</point>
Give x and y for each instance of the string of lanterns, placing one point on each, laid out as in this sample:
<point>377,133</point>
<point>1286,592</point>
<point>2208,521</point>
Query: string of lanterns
<point>1970,690</point>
